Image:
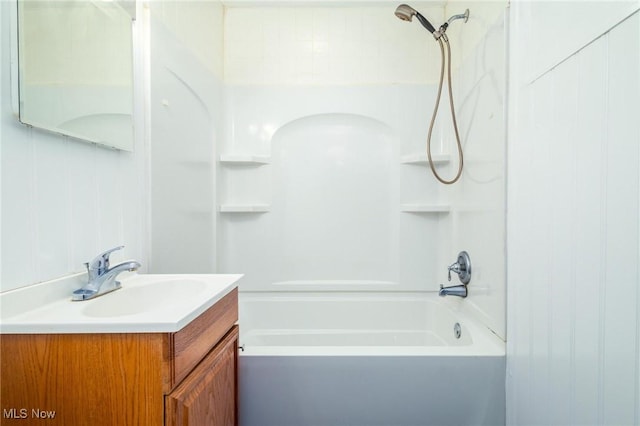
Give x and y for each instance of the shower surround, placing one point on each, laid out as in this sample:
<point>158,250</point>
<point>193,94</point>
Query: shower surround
<point>322,190</point>
<point>322,177</point>
<point>326,203</point>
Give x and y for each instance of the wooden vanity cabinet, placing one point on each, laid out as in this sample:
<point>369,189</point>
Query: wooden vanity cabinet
<point>208,395</point>
<point>184,378</point>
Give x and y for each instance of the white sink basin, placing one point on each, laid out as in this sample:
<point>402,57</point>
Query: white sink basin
<point>146,303</point>
<point>150,297</point>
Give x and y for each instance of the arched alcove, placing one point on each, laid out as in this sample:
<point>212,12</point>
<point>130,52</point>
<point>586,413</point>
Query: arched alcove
<point>334,201</point>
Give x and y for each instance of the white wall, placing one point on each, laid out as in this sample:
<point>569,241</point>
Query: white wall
<point>338,95</point>
<point>476,223</point>
<point>327,139</point>
<point>376,67</point>
<point>328,45</point>
<point>471,36</point>
<point>198,28</point>
<point>186,125</point>
<point>63,201</point>
<point>573,343</point>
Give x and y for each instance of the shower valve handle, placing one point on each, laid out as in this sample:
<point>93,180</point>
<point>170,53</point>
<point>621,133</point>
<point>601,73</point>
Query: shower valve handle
<point>462,267</point>
<point>453,267</point>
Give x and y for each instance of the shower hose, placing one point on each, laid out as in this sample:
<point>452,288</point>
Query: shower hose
<point>453,114</point>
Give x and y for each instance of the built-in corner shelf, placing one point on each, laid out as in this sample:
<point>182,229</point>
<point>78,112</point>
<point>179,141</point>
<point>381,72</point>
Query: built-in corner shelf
<point>421,158</point>
<point>424,208</point>
<point>245,159</point>
<point>244,208</point>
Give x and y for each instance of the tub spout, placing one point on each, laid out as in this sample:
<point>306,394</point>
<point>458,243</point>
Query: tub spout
<point>454,290</point>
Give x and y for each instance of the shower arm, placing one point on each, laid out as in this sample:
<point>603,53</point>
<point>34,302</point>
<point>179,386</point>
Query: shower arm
<point>443,28</point>
<point>464,16</point>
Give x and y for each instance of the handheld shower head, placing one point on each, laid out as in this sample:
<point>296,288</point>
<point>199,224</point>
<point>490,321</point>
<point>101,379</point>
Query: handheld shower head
<point>406,13</point>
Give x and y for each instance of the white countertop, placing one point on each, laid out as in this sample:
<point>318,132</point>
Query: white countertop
<point>146,303</point>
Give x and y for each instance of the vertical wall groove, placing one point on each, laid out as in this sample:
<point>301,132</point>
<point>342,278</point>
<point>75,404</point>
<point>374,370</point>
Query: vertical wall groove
<point>603,245</point>
<point>572,238</point>
<point>637,386</point>
<point>32,191</point>
<point>68,207</point>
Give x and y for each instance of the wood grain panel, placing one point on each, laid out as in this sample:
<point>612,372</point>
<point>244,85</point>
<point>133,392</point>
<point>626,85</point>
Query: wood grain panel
<point>83,379</point>
<point>194,341</point>
<point>209,395</point>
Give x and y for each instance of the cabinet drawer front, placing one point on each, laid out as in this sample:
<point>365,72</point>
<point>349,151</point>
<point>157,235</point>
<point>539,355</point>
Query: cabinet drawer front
<point>208,395</point>
<point>192,343</point>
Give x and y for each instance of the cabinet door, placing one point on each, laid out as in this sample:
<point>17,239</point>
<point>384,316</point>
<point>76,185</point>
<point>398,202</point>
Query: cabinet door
<point>208,396</point>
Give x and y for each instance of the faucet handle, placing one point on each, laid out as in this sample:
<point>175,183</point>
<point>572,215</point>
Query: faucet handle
<point>101,262</point>
<point>462,267</point>
<point>455,267</point>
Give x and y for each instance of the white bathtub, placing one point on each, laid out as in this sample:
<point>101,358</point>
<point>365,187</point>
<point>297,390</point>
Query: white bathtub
<point>366,359</point>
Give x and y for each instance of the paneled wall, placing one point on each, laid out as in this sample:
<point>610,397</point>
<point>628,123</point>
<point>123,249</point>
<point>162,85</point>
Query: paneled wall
<point>573,343</point>
<point>63,200</point>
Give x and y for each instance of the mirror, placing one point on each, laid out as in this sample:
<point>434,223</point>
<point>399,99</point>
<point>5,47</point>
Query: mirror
<point>75,60</point>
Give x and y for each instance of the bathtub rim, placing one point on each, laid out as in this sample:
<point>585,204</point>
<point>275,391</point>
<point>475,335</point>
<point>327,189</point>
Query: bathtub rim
<point>485,341</point>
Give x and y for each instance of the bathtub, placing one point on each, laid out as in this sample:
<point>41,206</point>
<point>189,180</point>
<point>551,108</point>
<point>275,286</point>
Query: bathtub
<point>366,359</point>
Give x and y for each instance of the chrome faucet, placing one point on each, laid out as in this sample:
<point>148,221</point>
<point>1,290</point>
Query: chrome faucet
<point>102,278</point>
<point>454,290</point>
<point>462,267</point>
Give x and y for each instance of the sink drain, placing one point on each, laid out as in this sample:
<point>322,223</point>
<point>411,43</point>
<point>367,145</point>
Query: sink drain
<point>457,330</point>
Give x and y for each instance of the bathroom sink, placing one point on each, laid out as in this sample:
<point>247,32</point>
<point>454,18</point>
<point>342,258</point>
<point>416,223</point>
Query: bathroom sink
<point>146,303</point>
<point>151,297</point>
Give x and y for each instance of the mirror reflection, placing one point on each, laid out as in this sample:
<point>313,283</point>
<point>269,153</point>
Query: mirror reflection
<point>76,69</point>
